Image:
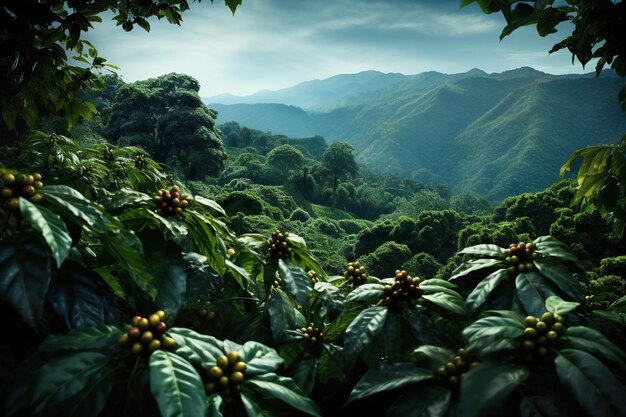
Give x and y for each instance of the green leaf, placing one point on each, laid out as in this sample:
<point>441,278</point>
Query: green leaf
<point>486,388</point>
<point>532,291</point>
<point>452,303</point>
<point>422,401</point>
<point>198,349</point>
<point>206,240</point>
<point>80,298</point>
<point>302,256</point>
<point>127,250</point>
<point>433,355</point>
<point>367,293</point>
<point>594,342</point>
<point>62,381</point>
<point>437,283</point>
<point>619,318</point>
<point>560,275</point>
<point>304,373</point>
<point>297,283</point>
<point>123,198</point>
<point>25,271</point>
<point>331,364</point>
<point>388,376</point>
<point>208,203</point>
<point>233,4</point>
<point>332,297</point>
<point>556,305</point>
<point>423,328</point>
<point>69,202</point>
<point>475,265</point>
<point>238,271</point>
<point>487,331</point>
<point>362,331</point>
<point>484,249</point>
<point>203,281</point>
<point>260,358</point>
<point>429,287</point>
<point>478,297</point>
<point>336,329</point>
<point>102,338</point>
<point>281,314</point>
<point>597,390</point>
<point>51,227</point>
<point>549,246</point>
<point>215,406</point>
<point>175,228</point>
<point>285,390</point>
<point>254,408</point>
<point>171,284</point>
<point>112,281</point>
<point>541,407</point>
<point>143,23</point>
<point>176,386</point>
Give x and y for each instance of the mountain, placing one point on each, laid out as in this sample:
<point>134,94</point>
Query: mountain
<point>318,95</point>
<point>490,134</point>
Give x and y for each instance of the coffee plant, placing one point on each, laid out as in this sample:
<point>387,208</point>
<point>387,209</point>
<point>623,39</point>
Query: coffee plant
<point>122,293</point>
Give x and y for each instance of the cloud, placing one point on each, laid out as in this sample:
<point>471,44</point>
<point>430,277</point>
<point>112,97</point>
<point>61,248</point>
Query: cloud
<point>275,43</point>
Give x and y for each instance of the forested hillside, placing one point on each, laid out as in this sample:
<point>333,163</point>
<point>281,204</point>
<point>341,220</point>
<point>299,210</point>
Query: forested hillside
<point>473,131</point>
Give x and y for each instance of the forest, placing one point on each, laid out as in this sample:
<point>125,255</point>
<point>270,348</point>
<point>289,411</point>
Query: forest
<point>156,263</point>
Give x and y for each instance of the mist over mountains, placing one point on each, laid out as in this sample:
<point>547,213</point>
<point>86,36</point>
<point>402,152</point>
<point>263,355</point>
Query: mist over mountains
<point>490,134</point>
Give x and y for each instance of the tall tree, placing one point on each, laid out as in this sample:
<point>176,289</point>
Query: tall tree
<point>166,117</point>
<point>285,158</point>
<point>338,162</point>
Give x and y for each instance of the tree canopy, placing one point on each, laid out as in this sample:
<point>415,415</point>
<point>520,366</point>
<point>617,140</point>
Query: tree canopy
<point>338,161</point>
<point>166,117</point>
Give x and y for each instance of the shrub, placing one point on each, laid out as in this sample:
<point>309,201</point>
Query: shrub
<point>386,259</point>
<point>299,215</point>
<point>423,265</point>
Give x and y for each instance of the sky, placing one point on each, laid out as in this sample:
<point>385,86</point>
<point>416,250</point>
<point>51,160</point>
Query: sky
<point>274,44</point>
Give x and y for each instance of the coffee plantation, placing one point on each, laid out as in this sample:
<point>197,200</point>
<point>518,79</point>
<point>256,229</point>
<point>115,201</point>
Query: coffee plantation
<point>283,336</point>
<point>126,289</point>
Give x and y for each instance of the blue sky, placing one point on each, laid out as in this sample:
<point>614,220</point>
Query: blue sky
<point>272,44</point>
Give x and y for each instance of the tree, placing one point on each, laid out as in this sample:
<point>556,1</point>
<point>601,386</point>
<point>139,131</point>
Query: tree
<point>598,33</point>
<point>166,117</point>
<point>36,77</point>
<point>338,162</point>
<point>285,158</point>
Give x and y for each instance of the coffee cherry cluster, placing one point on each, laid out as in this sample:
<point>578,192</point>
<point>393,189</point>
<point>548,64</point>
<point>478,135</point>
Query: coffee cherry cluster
<point>278,246</point>
<point>227,374</point>
<point>172,202</point>
<point>278,282</point>
<point>195,313</point>
<point>355,274</point>
<point>19,185</point>
<point>455,370</point>
<point>519,257</point>
<point>405,290</point>
<point>313,337</point>
<point>140,161</point>
<point>540,334</point>
<point>313,277</point>
<point>107,154</point>
<point>147,334</point>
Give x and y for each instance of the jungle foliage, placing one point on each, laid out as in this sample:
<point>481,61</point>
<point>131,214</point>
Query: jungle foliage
<point>126,288</point>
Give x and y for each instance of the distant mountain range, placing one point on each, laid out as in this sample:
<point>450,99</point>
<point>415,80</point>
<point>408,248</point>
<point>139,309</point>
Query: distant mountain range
<point>491,134</point>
